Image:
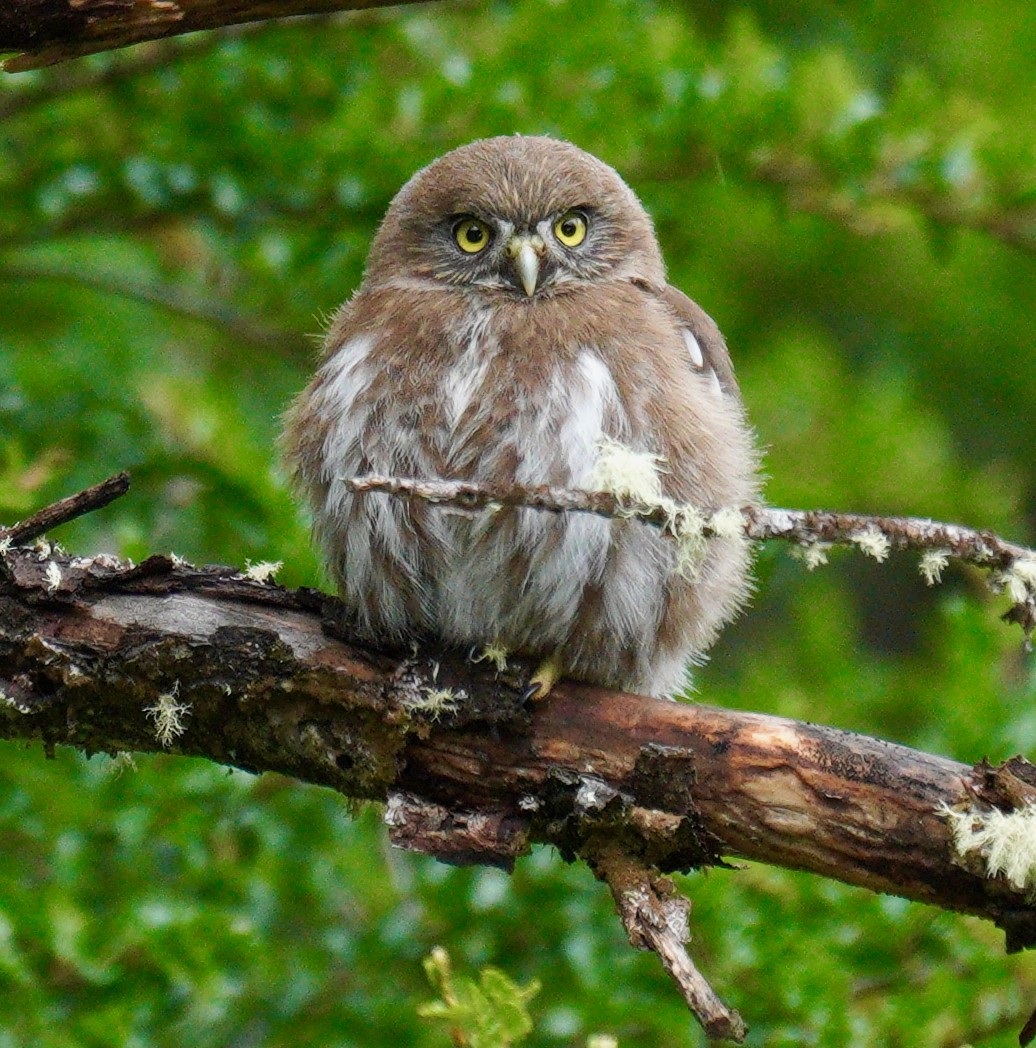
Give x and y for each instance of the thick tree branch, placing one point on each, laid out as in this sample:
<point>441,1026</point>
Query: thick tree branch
<point>51,31</point>
<point>86,646</point>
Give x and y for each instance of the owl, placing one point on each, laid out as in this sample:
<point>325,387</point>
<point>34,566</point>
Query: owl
<point>514,323</point>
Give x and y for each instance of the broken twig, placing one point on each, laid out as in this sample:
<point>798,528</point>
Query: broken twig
<point>66,509</point>
<point>655,917</point>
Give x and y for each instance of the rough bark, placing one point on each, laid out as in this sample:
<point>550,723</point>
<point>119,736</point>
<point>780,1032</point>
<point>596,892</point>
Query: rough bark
<point>87,647</point>
<point>51,31</point>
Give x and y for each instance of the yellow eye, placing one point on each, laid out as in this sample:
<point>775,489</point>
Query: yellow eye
<point>570,228</point>
<point>472,235</point>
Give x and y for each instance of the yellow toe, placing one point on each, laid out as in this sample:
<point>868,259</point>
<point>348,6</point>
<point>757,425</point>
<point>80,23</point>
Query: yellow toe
<point>542,682</point>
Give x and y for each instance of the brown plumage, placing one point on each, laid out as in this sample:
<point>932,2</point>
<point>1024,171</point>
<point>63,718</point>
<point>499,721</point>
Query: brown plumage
<point>513,316</point>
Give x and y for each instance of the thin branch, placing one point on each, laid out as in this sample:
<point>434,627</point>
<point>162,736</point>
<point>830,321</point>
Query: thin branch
<point>66,509</point>
<point>759,522</point>
<point>656,917</point>
<point>1013,566</point>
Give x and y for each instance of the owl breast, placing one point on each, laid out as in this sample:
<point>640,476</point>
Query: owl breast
<point>486,404</point>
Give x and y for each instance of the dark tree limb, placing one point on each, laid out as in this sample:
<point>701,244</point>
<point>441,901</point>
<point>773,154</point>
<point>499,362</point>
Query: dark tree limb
<point>51,31</point>
<point>67,509</point>
<point>108,656</point>
<point>89,646</point>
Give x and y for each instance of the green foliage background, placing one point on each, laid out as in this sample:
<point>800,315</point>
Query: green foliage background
<point>850,191</point>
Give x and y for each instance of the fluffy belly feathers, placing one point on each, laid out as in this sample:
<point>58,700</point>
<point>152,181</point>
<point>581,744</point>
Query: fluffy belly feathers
<point>591,591</point>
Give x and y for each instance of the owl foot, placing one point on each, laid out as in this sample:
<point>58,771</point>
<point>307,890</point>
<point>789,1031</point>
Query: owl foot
<point>542,682</point>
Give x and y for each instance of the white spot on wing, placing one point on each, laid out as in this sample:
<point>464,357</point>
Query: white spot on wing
<point>693,349</point>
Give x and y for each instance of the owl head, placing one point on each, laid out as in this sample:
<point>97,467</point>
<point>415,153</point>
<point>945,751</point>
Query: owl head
<point>524,217</point>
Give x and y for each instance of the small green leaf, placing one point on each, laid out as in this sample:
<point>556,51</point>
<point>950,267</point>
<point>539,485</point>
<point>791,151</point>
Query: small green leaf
<point>491,1013</point>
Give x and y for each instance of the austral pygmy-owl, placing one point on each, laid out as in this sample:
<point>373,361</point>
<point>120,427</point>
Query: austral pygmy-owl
<point>513,323</point>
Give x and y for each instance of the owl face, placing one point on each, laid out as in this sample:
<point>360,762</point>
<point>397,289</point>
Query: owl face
<point>527,218</point>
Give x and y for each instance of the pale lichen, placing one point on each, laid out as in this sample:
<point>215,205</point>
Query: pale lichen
<point>494,653</point>
<point>636,476</point>
<point>120,763</point>
<point>168,715</point>
<point>1006,842</point>
<point>933,564</point>
<point>437,702</point>
<point>52,577</point>
<point>873,543</point>
<point>687,526</point>
<point>812,554</point>
<point>626,473</point>
<point>1019,580</point>
<point>263,571</point>
<point>727,523</point>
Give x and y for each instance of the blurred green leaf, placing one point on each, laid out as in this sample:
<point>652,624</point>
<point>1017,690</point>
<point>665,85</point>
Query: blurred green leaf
<point>490,1013</point>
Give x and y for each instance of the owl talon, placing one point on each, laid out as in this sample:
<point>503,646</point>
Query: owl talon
<point>542,682</point>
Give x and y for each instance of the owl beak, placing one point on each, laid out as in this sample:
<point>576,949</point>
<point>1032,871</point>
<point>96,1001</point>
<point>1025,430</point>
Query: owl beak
<point>526,253</point>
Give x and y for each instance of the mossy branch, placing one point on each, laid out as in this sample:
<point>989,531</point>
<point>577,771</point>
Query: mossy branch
<point>1012,567</point>
<point>108,656</point>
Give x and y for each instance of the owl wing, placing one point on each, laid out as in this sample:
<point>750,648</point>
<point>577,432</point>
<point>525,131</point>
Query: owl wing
<point>706,348</point>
